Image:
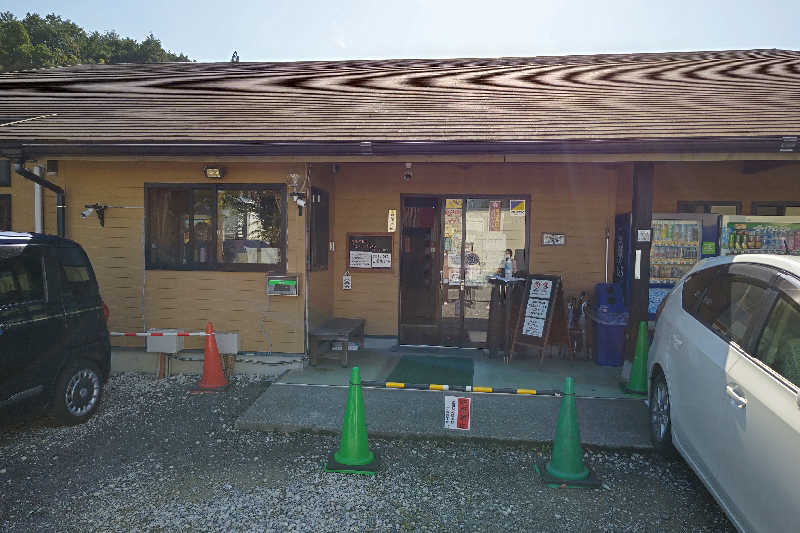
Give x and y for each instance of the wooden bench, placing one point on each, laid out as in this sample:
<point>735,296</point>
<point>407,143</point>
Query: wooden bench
<point>341,330</point>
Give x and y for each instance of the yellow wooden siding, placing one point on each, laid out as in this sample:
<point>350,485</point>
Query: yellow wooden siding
<point>232,301</point>
<point>574,199</point>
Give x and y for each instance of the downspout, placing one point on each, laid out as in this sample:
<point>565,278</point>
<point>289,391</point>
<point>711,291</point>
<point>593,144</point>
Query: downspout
<point>38,209</point>
<point>61,206</point>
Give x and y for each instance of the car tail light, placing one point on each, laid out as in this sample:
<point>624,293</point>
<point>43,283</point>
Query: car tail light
<point>106,312</point>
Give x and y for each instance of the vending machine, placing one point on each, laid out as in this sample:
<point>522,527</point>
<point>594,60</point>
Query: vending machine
<point>742,234</point>
<point>678,241</point>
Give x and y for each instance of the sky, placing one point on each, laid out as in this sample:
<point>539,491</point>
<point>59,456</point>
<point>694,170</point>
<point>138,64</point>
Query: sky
<point>210,30</point>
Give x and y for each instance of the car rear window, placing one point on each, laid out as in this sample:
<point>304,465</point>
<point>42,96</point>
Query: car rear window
<point>20,275</point>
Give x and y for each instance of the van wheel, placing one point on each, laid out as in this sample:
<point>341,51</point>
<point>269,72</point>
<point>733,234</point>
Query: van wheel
<point>78,392</point>
<point>660,421</point>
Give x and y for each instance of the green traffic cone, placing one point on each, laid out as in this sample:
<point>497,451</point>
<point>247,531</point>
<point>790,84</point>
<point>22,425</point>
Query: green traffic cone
<point>353,455</point>
<point>566,465</point>
<point>637,383</point>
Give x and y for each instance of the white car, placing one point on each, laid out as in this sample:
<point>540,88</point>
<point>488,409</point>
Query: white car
<point>724,371</point>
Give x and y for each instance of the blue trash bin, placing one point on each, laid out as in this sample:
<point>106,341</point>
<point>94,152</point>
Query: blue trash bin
<point>609,337</point>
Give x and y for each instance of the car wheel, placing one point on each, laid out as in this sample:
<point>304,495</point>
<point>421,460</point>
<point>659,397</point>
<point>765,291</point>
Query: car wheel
<point>660,422</point>
<point>78,392</point>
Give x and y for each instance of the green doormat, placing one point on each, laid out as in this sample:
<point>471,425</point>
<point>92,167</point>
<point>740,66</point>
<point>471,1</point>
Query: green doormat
<point>426,370</point>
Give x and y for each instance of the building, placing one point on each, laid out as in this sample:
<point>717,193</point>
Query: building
<point>196,170</point>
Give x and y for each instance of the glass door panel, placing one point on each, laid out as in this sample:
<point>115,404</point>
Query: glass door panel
<point>451,317</point>
<point>491,228</point>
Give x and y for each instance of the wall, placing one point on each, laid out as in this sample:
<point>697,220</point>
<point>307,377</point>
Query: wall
<point>578,200</point>
<point>138,299</point>
<point>676,181</point>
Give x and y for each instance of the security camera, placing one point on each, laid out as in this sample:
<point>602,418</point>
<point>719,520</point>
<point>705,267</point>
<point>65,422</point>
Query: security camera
<point>300,202</point>
<point>86,212</point>
<point>407,173</point>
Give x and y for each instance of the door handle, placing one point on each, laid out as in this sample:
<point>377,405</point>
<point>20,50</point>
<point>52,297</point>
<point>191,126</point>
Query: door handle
<point>739,401</point>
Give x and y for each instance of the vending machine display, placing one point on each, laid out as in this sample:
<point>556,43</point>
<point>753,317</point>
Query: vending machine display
<point>759,235</point>
<point>678,242</point>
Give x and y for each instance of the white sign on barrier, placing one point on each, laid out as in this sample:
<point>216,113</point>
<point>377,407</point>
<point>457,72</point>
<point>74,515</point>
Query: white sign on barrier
<point>457,413</point>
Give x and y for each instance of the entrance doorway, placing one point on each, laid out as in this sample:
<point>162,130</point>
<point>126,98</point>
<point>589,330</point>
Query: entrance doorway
<point>449,246</point>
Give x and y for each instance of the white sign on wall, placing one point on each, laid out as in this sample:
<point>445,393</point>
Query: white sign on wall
<point>457,413</point>
<point>360,259</point>
<point>381,260</point>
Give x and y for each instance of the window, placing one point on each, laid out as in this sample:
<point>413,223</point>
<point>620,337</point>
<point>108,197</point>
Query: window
<point>319,221</point>
<point>225,227</point>
<point>5,173</point>
<point>695,286</point>
<point>5,212</point>
<point>776,208</point>
<point>77,280</point>
<point>717,208</point>
<point>729,307</point>
<point>779,347</point>
<point>20,275</point>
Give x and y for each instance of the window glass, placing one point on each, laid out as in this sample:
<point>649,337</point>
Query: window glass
<point>168,212</point>
<point>765,210</point>
<point>792,211</point>
<point>5,212</point>
<point>694,286</point>
<point>729,306</point>
<point>78,286</point>
<point>320,229</point>
<point>20,275</point>
<point>723,209</point>
<point>251,222</point>
<point>779,347</point>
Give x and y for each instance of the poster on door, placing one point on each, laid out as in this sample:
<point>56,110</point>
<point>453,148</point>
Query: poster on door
<point>452,221</point>
<point>495,210</point>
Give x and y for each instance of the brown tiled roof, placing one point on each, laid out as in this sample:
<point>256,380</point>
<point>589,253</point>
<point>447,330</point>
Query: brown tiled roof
<point>697,95</point>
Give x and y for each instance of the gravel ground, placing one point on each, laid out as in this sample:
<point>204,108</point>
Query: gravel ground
<point>156,458</point>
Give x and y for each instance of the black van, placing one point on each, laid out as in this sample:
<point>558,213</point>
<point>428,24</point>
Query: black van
<point>54,345</point>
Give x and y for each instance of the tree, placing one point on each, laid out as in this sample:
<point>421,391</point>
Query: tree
<point>50,41</point>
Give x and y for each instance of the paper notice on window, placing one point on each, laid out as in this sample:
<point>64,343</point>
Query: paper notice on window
<point>540,288</point>
<point>533,327</point>
<point>537,308</point>
<point>360,259</point>
<point>381,260</point>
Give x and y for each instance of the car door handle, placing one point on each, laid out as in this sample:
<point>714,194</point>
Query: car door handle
<point>738,400</point>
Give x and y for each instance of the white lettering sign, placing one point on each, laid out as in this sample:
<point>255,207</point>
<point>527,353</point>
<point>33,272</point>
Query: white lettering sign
<point>533,327</point>
<point>540,288</point>
<point>537,308</point>
<point>457,413</point>
<point>360,259</point>
<point>381,260</point>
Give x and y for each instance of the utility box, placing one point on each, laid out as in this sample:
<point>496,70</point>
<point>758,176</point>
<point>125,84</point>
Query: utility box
<point>228,343</point>
<point>166,344</point>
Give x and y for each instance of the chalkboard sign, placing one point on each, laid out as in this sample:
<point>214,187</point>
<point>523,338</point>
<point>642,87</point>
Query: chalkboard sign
<point>540,307</point>
<point>370,252</point>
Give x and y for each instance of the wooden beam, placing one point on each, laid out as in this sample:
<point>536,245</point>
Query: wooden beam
<point>641,219</point>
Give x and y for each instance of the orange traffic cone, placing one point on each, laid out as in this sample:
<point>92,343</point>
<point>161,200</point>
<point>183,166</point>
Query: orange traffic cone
<point>213,379</point>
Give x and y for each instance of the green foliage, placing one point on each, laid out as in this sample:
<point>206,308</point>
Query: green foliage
<point>51,41</point>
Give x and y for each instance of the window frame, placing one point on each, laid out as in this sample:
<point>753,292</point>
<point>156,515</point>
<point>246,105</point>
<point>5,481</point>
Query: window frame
<point>781,205</point>
<point>6,198</point>
<point>684,206</point>
<point>215,265</point>
<point>313,260</point>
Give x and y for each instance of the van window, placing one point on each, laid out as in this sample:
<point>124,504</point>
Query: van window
<point>77,282</point>
<point>779,347</point>
<point>20,275</point>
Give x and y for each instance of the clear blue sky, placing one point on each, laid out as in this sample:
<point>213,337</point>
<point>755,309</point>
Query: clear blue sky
<point>209,30</point>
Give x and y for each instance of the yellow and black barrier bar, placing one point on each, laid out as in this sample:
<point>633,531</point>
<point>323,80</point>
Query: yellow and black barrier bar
<point>458,388</point>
